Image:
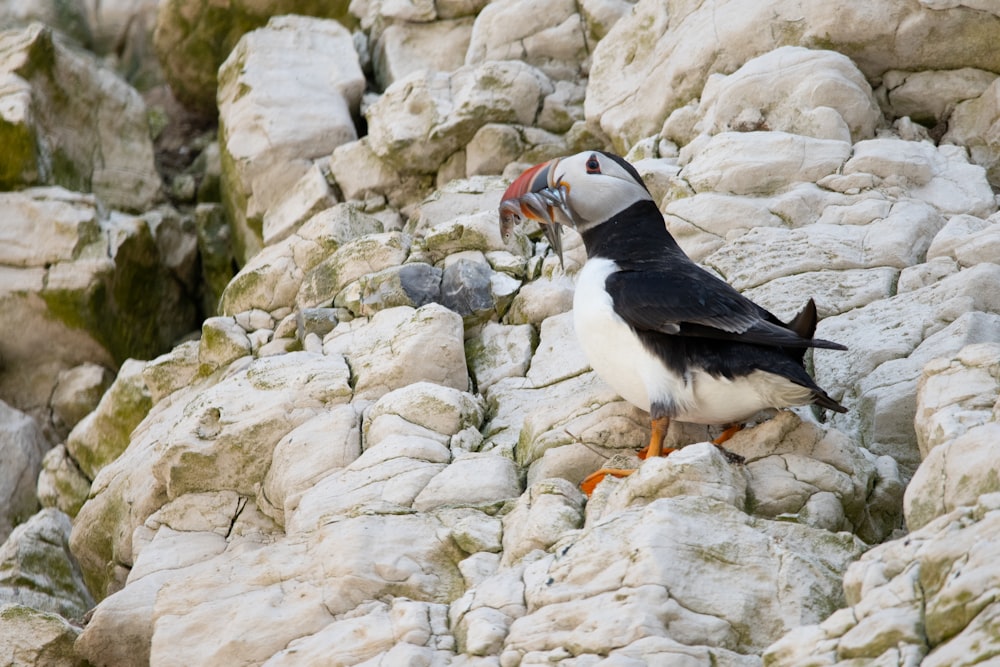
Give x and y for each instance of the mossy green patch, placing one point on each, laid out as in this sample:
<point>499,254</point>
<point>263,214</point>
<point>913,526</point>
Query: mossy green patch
<point>19,157</point>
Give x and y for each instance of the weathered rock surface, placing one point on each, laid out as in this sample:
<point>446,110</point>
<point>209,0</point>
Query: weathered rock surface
<point>288,94</point>
<point>70,278</point>
<point>22,446</point>
<point>67,121</point>
<point>370,455</point>
<point>193,38</point>
<point>659,57</point>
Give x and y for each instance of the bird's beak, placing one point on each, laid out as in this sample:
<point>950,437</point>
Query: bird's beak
<point>538,194</point>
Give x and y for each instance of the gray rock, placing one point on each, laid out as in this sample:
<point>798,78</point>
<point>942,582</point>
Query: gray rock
<point>37,569</point>
<point>466,289</point>
<point>22,446</point>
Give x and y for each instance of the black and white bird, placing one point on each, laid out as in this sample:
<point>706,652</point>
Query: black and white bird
<point>667,335</point>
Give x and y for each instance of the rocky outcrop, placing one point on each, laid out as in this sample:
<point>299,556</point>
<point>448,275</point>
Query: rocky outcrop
<point>370,453</point>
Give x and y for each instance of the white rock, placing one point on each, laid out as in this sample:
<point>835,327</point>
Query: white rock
<point>834,292</point>
<point>701,223</point>
<point>309,453</point>
<point>172,370</point>
<point>471,479</point>
<point>61,483</point>
<point>100,437</point>
<point>956,394</point>
<point>916,600</point>
<point>941,176</point>
<point>384,479</point>
<point>657,59</point>
<point>441,409</point>
<point>549,37</point>
<point>287,93</point>
<point>196,441</point>
<point>223,341</point>
<point>971,125</point>
<point>500,351</point>
<point>558,355</point>
<point>273,278</point>
<point>954,474</point>
<point>548,509</point>
<point>767,253</point>
<point>930,96</point>
<point>968,239</point>
<point>581,409</point>
<point>306,197</point>
<point>349,262</point>
<point>819,94</point>
<point>878,373</point>
<point>762,162</point>
<point>449,108</point>
<point>400,346</point>
<point>77,393</point>
<point>404,48</point>
<point>38,570</point>
<point>73,123</point>
<point>35,636</point>
<point>656,558</point>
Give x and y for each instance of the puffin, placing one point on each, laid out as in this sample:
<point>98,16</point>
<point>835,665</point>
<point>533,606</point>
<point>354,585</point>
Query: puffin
<point>667,335</point>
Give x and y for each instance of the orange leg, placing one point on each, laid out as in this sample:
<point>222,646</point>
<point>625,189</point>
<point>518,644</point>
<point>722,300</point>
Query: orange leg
<point>654,448</point>
<point>723,437</point>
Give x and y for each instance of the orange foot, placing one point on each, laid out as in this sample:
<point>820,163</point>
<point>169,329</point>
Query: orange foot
<point>654,448</point>
<point>732,457</point>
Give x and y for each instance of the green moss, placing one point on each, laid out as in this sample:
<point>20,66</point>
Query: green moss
<point>19,158</point>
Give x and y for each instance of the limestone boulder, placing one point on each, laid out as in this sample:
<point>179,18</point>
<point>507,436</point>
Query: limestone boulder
<point>778,91</point>
<point>423,119</point>
<point>552,37</point>
<point>69,278</point>
<point>193,38</point>
<point>973,125</point>
<point>288,94</point>
<point>917,599</point>
<point>104,433</point>
<point>193,442</point>
<point>404,47</point>
<point>956,425</point>
<point>38,637</point>
<point>271,280</point>
<point>68,121</point>
<point>659,58</point>
<point>930,96</point>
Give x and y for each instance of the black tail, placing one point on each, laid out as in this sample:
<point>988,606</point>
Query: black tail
<point>804,324</point>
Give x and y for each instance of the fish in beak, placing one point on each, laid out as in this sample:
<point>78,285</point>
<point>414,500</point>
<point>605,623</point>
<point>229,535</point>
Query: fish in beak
<point>539,195</point>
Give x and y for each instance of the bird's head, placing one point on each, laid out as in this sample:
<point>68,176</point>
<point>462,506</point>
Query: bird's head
<point>580,191</point>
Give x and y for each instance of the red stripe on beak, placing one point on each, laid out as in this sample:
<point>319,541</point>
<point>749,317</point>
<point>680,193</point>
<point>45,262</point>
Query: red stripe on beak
<point>532,180</point>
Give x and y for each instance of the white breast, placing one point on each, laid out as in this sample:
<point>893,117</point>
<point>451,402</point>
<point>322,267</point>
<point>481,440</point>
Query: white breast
<point>621,360</point>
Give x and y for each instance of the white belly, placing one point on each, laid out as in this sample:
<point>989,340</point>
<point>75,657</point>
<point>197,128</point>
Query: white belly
<point>621,360</point>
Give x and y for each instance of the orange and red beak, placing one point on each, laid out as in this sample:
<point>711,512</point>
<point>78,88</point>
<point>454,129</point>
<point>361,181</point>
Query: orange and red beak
<point>537,195</point>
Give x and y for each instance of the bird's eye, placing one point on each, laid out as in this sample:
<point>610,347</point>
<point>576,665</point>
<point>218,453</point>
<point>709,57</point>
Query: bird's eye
<point>593,165</point>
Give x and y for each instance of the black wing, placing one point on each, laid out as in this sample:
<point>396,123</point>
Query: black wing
<point>686,300</point>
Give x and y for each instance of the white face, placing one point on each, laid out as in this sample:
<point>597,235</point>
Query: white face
<point>598,187</point>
